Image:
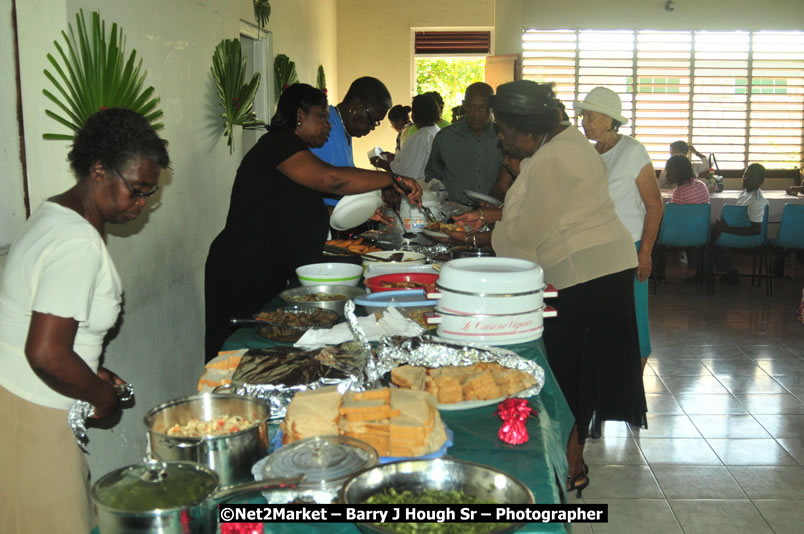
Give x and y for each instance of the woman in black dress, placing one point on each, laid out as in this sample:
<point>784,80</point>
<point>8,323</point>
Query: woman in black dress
<point>277,220</point>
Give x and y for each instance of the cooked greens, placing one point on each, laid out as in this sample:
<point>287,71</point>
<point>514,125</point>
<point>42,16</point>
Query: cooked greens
<point>429,496</point>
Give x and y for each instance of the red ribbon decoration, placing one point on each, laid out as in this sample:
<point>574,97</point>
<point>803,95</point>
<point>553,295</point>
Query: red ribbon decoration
<point>514,413</point>
<point>241,528</point>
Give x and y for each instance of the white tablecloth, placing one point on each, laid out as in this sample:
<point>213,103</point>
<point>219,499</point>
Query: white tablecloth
<point>776,202</point>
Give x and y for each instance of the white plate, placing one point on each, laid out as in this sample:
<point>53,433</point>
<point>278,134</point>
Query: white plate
<point>354,210</point>
<point>430,233</point>
<point>480,197</point>
<point>472,404</point>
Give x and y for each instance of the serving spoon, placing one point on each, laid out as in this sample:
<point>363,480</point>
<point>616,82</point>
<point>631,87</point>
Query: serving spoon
<point>406,235</point>
<point>396,256</point>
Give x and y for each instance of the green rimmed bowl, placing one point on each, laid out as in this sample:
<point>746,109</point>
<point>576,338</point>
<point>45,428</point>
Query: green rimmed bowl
<point>323,274</point>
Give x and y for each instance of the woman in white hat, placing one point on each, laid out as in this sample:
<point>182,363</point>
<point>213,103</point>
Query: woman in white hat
<point>632,186</point>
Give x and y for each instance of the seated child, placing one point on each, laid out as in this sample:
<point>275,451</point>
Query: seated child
<point>752,196</point>
<point>680,148</point>
<point>689,190</point>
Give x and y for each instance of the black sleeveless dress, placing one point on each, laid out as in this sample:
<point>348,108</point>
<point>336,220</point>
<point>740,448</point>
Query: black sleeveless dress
<point>274,225</point>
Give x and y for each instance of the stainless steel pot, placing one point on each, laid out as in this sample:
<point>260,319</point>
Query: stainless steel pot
<point>168,498</point>
<point>230,456</point>
<point>471,252</point>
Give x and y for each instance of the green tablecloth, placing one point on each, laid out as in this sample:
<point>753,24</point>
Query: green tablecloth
<point>540,463</point>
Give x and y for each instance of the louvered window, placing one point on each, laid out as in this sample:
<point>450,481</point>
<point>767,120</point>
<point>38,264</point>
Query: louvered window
<point>737,94</point>
<point>453,43</point>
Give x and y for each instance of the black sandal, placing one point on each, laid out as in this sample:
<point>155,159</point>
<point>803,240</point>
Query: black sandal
<point>575,486</point>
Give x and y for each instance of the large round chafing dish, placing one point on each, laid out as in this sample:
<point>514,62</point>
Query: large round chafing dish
<point>230,456</point>
<point>474,480</point>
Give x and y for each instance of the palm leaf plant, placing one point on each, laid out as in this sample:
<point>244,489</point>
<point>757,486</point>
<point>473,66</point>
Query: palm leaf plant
<point>321,79</point>
<point>262,12</point>
<point>236,96</point>
<point>94,74</point>
<point>284,73</point>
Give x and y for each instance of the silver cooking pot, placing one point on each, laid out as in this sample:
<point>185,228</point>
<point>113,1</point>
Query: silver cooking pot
<point>471,252</point>
<point>168,498</point>
<point>230,456</point>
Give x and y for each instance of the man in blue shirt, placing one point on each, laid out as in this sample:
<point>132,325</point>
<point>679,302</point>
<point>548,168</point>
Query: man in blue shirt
<point>363,109</point>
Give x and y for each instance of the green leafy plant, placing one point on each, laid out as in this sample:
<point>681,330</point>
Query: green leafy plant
<point>321,79</point>
<point>450,77</point>
<point>262,12</point>
<point>284,73</point>
<point>236,97</point>
<point>93,74</point>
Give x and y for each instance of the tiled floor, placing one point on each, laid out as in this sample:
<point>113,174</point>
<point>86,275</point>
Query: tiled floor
<point>724,448</point>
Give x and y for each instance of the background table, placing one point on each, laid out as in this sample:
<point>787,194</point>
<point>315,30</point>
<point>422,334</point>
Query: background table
<point>541,463</point>
<point>776,202</point>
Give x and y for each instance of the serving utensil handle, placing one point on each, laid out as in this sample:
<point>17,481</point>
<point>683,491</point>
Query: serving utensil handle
<point>400,183</point>
<point>246,322</point>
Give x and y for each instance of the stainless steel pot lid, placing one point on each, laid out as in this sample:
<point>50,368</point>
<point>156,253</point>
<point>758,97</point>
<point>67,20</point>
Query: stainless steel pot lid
<point>154,485</point>
<point>324,461</point>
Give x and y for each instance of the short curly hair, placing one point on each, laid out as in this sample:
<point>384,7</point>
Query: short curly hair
<point>115,136</point>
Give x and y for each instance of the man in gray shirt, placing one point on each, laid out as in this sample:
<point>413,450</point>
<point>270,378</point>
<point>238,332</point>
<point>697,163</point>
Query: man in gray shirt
<point>467,155</point>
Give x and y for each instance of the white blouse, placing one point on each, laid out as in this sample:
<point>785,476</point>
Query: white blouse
<point>59,265</point>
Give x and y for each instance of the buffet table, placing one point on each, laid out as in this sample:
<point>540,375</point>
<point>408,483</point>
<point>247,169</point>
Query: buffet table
<point>540,463</point>
<point>776,202</point>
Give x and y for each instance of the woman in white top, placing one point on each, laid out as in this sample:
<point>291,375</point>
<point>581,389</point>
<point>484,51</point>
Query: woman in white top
<point>412,158</point>
<point>632,186</point>
<point>59,296</point>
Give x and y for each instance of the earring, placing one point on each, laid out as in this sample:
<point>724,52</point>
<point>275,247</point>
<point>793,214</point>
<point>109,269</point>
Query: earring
<point>298,123</point>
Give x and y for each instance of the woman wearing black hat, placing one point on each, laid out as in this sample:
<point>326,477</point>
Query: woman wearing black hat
<point>559,214</point>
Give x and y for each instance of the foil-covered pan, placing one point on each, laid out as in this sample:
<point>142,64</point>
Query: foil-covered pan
<point>276,374</point>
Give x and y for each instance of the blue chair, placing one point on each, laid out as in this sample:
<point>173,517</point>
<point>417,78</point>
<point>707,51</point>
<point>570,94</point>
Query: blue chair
<point>686,226</point>
<point>790,235</point>
<point>737,216</point>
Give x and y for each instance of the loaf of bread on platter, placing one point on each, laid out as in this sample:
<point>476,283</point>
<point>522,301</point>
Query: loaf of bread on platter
<point>452,384</point>
<point>396,422</point>
<point>312,413</point>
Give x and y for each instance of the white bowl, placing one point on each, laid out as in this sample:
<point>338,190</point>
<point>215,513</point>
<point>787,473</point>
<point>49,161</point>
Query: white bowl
<point>491,276</point>
<point>409,258</point>
<point>342,274</point>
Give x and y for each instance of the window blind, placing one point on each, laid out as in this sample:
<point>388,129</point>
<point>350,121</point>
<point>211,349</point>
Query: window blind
<point>452,42</point>
<point>739,95</point>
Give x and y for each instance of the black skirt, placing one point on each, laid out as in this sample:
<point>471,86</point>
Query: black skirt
<point>593,350</point>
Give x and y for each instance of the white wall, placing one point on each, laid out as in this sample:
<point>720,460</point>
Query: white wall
<point>161,256</point>
<point>12,209</point>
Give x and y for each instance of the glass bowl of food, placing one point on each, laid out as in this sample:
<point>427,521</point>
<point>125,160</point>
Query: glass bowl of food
<point>328,297</point>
